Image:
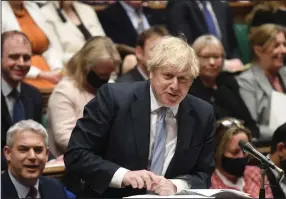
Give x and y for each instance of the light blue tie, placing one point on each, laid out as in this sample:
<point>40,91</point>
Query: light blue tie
<point>159,143</point>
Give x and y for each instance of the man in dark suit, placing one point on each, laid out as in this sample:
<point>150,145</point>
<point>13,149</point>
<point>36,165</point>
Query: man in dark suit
<point>145,42</point>
<point>145,136</point>
<point>27,153</point>
<point>278,156</point>
<point>196,18</point>
<point>124,20</point>
<point>18,100</point>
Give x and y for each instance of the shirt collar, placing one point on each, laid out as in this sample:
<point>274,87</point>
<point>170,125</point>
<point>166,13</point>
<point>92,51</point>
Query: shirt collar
<point>21,189</point>
<point>142,73</point>
<point>6,88</point>
<point>156,105</point>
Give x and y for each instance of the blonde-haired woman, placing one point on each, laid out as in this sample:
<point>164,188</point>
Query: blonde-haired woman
<point>266,11</point>
<point>217,87</point>
<point>232,169</point>
<point>267,74</point>
<point>86,71</point>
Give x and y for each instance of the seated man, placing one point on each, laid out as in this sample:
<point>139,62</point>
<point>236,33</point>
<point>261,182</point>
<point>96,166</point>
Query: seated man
<point>145,42</point>
<point>27,153</point>
<point>147,136</point>
<point>18,100</point>
<point>278,156</point>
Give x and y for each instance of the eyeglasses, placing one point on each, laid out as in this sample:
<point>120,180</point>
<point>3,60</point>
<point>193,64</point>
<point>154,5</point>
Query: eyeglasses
<point>228,122</point>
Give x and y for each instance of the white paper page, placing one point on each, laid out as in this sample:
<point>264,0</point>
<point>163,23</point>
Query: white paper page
<point>172,196</point>
<point>278,110</point>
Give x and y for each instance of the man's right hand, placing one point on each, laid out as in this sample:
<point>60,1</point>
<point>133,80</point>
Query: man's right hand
<point>140,179</point>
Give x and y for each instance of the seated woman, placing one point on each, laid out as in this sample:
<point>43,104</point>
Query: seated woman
<point>267,74</point>
<point>232,171</point>
<point>27,17</point>
<point>216,87</point>
<point>267,12</point>
<point>86,71</point>
<point>74,22</point>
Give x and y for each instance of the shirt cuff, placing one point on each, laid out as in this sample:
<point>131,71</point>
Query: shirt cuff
<point>180,184</point>
<point>116,181</point>
<point>33,72</point>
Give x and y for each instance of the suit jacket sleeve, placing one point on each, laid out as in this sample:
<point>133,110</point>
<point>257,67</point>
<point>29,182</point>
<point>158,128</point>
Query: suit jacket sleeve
<point>200,177</point>
<point>86,148</point>
<point>178,20</point>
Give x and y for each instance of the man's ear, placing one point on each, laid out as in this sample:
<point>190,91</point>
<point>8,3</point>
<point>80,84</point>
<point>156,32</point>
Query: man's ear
<point>139,52</point>
<point>7,153</point>
<point>279,148</point>
<point>258,50</point>
<point>47,154</point>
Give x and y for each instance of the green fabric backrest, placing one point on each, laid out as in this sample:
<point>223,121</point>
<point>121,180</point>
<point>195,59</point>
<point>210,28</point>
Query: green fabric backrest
<point>241,32</point>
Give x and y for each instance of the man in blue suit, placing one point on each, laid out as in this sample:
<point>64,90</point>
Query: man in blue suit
<point>27,153</point>
<point>149,136</point>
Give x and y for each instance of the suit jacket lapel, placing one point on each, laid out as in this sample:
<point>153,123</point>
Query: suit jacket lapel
<point>140,110</point>
<point>262,80</point>
<point>282,74</point>
<point>8,188</point>
<point>5,112</point>
<point>185,123</point>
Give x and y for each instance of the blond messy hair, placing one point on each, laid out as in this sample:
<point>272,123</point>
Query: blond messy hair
<point>174,52</point>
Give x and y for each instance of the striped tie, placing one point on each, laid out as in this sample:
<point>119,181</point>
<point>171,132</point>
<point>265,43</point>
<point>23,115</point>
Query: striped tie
<point>159,143</point>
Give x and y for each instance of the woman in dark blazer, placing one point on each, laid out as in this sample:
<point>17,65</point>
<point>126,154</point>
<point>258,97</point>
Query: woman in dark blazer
<point>219,88</point>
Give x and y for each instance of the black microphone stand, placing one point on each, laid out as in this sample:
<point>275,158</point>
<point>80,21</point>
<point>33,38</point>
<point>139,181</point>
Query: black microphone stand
<point>262,184</point>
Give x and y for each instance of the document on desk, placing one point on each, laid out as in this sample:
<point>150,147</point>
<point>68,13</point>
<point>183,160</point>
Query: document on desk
<point>201,193</point>
<point>277,110</point>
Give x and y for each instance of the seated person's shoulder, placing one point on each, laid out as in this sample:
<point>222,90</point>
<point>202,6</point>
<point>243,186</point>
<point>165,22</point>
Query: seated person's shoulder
<point>53,183</point>
<point>246,79</point>
<point>31,90</point>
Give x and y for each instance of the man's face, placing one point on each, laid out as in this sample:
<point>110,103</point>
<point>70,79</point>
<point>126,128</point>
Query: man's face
<point>143,54</point>
<point>27,157</point>
<point>169,85</point>
<point>16,58</point>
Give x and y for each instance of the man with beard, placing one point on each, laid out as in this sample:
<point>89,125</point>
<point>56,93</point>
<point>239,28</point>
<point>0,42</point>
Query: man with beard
<point>278,156</point>
<point>145,42</point>
<point>18,100</point>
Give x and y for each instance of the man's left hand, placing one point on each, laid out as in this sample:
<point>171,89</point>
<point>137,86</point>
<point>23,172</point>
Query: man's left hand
<point>164,187</point>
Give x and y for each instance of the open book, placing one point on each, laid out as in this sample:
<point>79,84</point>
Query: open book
<point>200,193</point>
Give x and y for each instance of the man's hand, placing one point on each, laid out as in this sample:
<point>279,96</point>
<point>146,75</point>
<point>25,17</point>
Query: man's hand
<point>140,179</point>
<point>164,187</point>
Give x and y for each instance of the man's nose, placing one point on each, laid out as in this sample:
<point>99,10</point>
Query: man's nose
<point>31,154</point>
<point>174,84</point>
<point>211,61</point>
<point>21,61</point>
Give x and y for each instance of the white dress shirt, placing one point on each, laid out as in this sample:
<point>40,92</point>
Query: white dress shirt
<point>6,90</point>
<point>210,9</point>
<point>133,16</point>
<point>21,189</point>
<point>171,143</point>
<point>142,73</point>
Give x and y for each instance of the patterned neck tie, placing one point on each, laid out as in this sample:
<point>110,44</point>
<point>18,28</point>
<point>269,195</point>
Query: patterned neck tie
<point>159,143</point>
<point>140,27</point>
<point>32,193</point>
<point>209,19</point>
<point>18,108</point>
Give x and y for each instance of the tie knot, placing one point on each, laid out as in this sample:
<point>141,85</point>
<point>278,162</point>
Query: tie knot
<point>14,93</point>
<point>32,193</point>
<point>163,111</point>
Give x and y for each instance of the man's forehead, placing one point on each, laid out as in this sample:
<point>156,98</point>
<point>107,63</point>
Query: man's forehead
<point>174,70</point>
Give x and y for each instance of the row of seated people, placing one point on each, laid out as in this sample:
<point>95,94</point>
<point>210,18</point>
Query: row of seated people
<point>60,28</point>
<point>27,150</point>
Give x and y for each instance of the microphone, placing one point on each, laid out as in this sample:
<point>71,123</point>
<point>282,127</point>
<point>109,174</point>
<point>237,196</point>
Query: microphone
<point>248,148</point>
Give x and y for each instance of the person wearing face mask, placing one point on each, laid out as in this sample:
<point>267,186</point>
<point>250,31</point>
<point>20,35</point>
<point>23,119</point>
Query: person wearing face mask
<point>232,169</point>
<point>278,156</point>
<point>86,72</point>
<point>266,75</point>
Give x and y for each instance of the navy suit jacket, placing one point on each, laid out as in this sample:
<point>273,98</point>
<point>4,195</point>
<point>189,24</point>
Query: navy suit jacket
<point>115,132</point>
<point>131,76</point>
<point>186,17</point>
<point>32,101</point>
<point>118,26</point>
<point>48,187</point>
